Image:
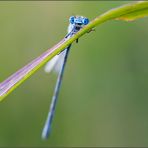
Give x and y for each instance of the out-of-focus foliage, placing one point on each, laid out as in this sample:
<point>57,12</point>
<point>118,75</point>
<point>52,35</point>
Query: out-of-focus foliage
<point>103,100</point>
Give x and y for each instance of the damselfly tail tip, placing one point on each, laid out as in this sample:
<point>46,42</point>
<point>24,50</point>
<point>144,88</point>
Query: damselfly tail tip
<point>45,134</point>
<point>44,137</point>
<point>46,131</point>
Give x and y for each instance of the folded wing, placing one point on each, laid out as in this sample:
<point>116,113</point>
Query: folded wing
<point>55,63</point>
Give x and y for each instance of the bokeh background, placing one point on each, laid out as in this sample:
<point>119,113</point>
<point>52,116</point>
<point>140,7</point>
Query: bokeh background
<point>104,96</point>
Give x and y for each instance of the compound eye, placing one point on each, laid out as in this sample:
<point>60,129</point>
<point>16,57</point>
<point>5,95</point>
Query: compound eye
<point>85,21</point>
<point>71,19</point>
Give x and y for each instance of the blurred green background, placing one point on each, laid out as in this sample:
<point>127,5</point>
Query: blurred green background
<point>104,96</point>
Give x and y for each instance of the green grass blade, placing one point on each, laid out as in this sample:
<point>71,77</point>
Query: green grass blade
<point>131,11</point>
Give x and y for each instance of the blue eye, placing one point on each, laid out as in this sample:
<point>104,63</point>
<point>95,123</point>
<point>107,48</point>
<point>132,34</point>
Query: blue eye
<point>85,21</point>
<point>71,19</point>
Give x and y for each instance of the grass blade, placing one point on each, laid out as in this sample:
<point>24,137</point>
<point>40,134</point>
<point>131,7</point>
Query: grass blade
<point>131,11</point>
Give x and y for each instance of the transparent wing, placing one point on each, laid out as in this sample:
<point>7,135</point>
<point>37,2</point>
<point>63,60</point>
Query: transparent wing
<point>55,64</point>
<point>51,64</point>
<point>59,62</point>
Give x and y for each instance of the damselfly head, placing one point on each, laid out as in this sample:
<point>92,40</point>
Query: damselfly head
<point>78,20</point>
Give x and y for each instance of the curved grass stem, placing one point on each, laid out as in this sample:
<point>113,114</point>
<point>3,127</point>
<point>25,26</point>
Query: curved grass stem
<point>128,12</point>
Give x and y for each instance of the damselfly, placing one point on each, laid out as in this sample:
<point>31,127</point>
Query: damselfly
<point>58,63</point>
